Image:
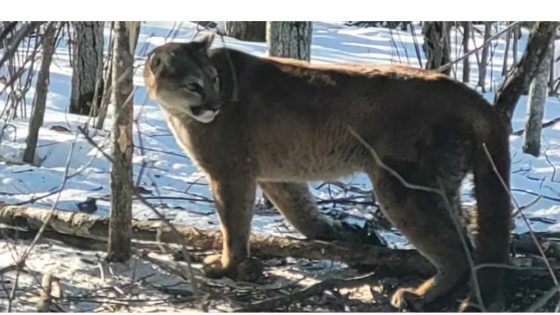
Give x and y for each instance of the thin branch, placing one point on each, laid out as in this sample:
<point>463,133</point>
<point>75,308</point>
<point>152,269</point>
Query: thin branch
<point>315,289</point>
<point>544,125</point>
<point>543,300</point>
<point>17,38</point>
<point>487,42</point>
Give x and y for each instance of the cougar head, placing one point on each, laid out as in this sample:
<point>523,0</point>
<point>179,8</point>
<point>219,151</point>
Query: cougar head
<point>181,78</point>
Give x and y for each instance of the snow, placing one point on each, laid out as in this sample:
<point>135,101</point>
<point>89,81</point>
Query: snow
<point>170,174</point>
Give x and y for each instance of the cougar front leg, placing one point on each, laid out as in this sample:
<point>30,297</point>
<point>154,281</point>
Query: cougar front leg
<point>234,200</point>
<point>297,205</point>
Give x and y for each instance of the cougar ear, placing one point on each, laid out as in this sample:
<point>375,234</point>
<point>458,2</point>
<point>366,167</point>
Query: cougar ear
<point>154,61</point>
<point>204,41</point>
<point>157,61</point>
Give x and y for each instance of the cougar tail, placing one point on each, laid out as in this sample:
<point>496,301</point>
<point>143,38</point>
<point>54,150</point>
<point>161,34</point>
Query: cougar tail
<point>494,213</point>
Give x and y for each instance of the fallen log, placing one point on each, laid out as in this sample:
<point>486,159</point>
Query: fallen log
<point>88,226</point>
<point>90,232</point>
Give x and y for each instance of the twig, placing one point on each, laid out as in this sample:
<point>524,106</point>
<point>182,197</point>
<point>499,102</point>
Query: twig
<point>553,176</point>
<point>179,198</point>
<point>534,194</point>
<point>544,125</point>
<point>83,131</point>
<point>14,287</point>
<point>523,207</point>
<point>169,266</point>
<point>35,199</point>
<point>543,300</point>
<point>162,151</point>
<point>7,269</point>
<point>315,289</point>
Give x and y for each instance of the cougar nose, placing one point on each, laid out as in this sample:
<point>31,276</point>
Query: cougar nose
<point>214,102</point>
<point>216,105</point>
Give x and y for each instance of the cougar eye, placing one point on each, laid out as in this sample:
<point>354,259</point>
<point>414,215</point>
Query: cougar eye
<point>194,87</point>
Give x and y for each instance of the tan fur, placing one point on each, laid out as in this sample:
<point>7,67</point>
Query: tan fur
<point>280,123</point>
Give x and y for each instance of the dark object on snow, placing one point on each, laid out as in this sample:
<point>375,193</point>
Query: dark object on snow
<point>60,128</point>
<point>87,206</point>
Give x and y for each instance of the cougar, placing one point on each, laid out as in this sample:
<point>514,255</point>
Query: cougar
<point>279,123</point>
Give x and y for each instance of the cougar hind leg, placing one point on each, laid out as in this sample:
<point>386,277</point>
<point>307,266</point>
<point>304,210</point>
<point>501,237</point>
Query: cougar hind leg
<point>297,205</point>
<point>424,218</point>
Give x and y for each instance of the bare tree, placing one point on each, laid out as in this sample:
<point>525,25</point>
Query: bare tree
<point>106,95</point>
<point>289,39</point>
<point>436,45</point>
<point>516,36</point>
<point>483,63</point>
<point>535,107</point>
<point>521,76</point>
<point>253,31</point>
<point>553,75</point>
<point>41,89</point>
<point>506,52</point>
<point>21,47</point>
<point>87,59</point>
<point>466,62</point>
<point>121,168</point>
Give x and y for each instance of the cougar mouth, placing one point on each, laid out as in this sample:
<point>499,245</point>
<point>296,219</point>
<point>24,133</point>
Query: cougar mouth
<point>205,113</point>
<point>198,110</point>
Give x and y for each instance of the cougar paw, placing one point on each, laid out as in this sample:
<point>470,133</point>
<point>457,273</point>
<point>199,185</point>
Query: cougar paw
<point>212,266</point>
<point>250,269</point>
<point>468,305</point>
<point>406,298</point>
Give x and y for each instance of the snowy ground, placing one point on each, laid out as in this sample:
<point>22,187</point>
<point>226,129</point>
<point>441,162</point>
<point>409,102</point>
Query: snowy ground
<point>177,188</point>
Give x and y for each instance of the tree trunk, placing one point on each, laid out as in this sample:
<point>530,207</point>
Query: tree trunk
<point>436,45</point>
<point>252,31</point>
<point>535,107</point>
<point>289,39</point>
<point>121,168</point>
<point>398,262</point>
<point>551,70</point>
<point>87,57</point>
<point>466,62</point>
<point>483,65</point>
<point>106,98</point>
<point>506,53</point>
<point>519,78</point>
<point>103,105</point>
<point>41,90</point>
<point>516,35</point>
